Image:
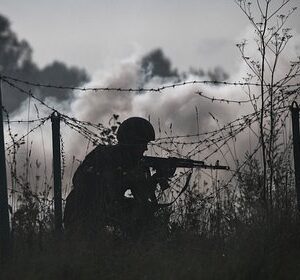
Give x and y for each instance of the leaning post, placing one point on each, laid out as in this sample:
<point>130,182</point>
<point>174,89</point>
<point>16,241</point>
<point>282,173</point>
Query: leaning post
<point>4,216</point>
<point>55,119</point>
<point>296,146</point>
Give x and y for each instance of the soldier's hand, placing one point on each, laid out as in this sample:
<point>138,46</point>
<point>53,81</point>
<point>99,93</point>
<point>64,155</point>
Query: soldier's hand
<point>162,180</point>
<point>166,172</point>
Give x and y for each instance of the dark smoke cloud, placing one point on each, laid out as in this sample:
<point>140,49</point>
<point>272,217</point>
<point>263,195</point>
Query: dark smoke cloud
<point>174,107</point>
<point>16,60</point>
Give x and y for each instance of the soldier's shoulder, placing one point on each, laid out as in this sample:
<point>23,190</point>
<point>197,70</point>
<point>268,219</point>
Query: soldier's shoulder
<point>106,149</point>
<point>105,153</point>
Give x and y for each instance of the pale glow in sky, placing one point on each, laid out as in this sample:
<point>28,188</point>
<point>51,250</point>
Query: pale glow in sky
<point>94,34</point>
<point>97,35</point>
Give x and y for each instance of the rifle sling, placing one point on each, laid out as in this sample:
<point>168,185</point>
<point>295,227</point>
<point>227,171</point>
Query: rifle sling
<point>163,205</point>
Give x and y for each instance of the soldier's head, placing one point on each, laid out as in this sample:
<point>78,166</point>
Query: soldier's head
<point>135,133</point>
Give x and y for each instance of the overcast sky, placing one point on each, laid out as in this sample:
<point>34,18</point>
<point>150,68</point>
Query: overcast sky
<point>94,34</point>
<point>98,34</point>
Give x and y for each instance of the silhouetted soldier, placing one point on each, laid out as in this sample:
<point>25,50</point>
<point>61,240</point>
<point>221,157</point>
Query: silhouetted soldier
<point>106,174</point>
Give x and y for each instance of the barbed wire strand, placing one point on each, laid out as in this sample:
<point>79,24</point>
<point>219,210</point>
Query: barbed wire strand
<point>157,89</point>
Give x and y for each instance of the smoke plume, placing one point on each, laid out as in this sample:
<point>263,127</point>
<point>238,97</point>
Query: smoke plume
<point>173,111</point>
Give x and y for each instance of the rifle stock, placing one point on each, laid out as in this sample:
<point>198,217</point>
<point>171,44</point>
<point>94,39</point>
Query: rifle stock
<point>173,162</point>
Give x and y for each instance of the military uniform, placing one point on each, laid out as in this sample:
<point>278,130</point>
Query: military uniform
<point>98,197</point>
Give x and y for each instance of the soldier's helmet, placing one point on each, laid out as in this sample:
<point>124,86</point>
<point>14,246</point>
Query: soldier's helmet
<point>135,130</point>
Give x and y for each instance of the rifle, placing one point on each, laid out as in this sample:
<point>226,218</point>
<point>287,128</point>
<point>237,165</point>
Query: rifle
<point>173,162</point>
<point>165,167</point>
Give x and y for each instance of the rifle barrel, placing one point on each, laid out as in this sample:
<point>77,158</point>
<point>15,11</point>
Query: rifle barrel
<point>157,162</point>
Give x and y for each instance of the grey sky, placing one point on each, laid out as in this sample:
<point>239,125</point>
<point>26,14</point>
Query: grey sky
<point>97,34</point>
<point>94,34</point>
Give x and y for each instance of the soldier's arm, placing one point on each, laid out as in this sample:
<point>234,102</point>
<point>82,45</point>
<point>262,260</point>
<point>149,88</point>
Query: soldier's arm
<point>142,185</point>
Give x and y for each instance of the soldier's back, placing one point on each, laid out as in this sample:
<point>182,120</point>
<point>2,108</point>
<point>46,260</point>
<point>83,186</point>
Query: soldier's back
<point>98,188</point>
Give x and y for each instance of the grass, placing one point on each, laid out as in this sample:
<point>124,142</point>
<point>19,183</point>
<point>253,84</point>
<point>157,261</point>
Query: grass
<point>254,252</point>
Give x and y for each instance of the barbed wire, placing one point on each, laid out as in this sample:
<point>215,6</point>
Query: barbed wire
<point>21,139</point>
<point>157,89</point>
<point>225,140</point>
<point>79,126</point>
<point>248,120</point>
<point>291,92</point>
<point>119,88</point>
<point>236,122</point>
<point>29,93</point>
<point>227,101</point>
<point>63,116</point>
<point>37,196</point>
<point>215,141</point>
<point>90,135</point>
<point>236,172</point>
<point>9,122</point>
<point>235,127</point>
<point>24,121</point>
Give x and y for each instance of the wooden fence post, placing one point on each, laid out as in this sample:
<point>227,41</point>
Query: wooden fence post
<point>55,119</point>
<point>296,145</point>
<point>4,216</point>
